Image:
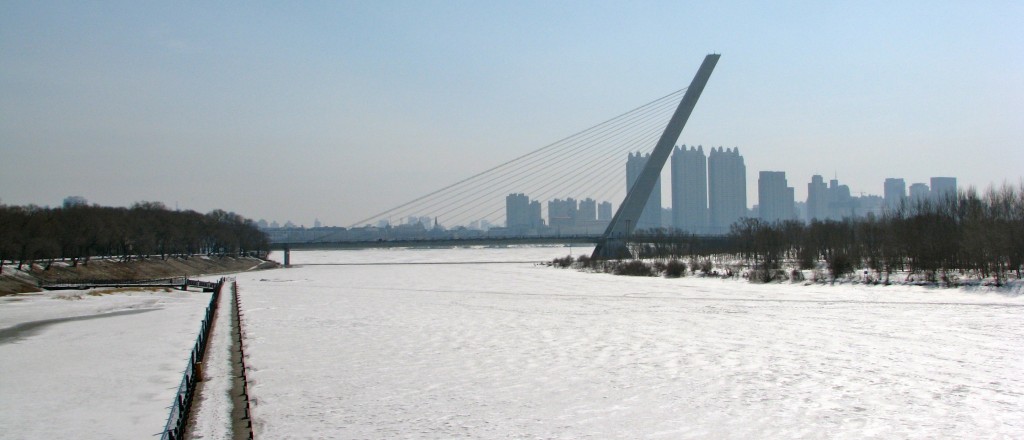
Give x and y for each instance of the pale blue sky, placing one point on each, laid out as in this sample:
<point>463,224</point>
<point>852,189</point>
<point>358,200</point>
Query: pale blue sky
<point>336,110</point>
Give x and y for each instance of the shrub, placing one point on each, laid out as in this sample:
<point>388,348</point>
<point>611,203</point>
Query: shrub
<point>675,269</point>
<point>840,264</point>
<point>706,266</point>
<point>563,262</point>
<point>807,258</point>
<point>766,275</point>
<point>659,266</point>
<point>635,268</point>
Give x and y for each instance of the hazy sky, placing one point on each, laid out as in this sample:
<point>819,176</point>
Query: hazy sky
<point>337,110</point>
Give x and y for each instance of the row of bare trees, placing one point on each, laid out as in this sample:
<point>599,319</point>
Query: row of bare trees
<point>971,233</point>
<point>77,232</point>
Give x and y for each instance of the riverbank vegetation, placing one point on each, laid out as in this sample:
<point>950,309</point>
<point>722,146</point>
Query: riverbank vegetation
<point>970,235</point>
<point>77,232</point>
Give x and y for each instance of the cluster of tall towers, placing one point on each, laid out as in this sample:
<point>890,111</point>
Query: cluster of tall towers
<point>524,216</point>
<point>895,190</point>
<point>709,192</point>
<point>833,201</point>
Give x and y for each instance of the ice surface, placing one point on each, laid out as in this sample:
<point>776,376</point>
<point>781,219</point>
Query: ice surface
<point>525,351</point>
<point>79,366</point>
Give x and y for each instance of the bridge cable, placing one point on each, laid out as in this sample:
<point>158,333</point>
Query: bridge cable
<point>513,161</point>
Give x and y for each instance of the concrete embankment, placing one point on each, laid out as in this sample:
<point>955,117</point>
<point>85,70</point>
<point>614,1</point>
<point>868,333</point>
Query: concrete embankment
<point>27,280</point>
<point>220,410</point>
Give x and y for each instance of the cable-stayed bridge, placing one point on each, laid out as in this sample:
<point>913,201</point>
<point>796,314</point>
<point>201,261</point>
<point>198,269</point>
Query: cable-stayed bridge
<point>543,189</point>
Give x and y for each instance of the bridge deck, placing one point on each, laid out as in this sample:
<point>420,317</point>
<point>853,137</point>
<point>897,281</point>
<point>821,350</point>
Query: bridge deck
<point>446,242</point>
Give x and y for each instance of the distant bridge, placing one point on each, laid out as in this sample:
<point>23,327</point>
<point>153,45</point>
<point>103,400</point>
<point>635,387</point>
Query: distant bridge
<point>666,242</point>
<point>442,242</point>
<point>636,239</point>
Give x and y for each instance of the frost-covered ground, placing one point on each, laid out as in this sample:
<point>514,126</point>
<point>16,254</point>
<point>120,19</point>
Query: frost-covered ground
<point>74,365</point>
<point>517,350</point>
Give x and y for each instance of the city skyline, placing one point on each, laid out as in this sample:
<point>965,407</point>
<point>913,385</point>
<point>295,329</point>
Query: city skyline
<point>337,111</point>
<point>697,182</point>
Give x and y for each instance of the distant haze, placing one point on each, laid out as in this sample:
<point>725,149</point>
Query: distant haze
<point>296,111</point>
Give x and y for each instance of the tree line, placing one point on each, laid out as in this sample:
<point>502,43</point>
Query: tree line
<point>936,240</point>
<point>77,232</point>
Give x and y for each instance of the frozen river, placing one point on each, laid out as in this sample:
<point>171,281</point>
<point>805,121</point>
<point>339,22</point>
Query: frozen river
<point>516,350</point>
<point>98,364</point>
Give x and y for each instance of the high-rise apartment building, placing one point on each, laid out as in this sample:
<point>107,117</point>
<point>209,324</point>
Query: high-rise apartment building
<point>840,202</point>
<point>562,213</point>
<point>536,220</point>
<point>604,211</point>
<point>918,193</point>
<point>689,189</point>
<point>830,202</point>
<point>774,197</point>
<point>895,192</point>
<point>521,213</point>
<point>727,189</point>
<point>817,199</point>
<point>650,217</point>
<point>517,211</point>
<point>587,210</point>
<point>943,187</point>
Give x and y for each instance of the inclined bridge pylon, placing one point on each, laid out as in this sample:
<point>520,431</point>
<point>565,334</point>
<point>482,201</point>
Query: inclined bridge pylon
<point>612,244</point>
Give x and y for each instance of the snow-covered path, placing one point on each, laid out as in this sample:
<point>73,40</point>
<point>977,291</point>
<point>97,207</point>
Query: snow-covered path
<point>211,411</point>
<point>87,366</point>
<point>522,351</point>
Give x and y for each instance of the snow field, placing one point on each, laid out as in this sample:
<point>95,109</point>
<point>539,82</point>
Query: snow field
<point>84,366</point>
<point>526,351</point>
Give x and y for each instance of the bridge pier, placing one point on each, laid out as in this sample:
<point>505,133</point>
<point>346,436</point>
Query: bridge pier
<point>287,256</point>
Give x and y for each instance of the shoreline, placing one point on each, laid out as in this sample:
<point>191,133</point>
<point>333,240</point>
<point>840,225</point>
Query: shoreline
<point>27,280</point>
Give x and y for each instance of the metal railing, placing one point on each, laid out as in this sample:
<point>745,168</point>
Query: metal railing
<point>241,350</point>
<point>91,283</point>
<point>178,418</point>
<point>175,282</point>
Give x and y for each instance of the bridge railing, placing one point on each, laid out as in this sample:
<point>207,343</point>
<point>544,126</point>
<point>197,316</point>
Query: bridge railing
<point>178,417</point>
